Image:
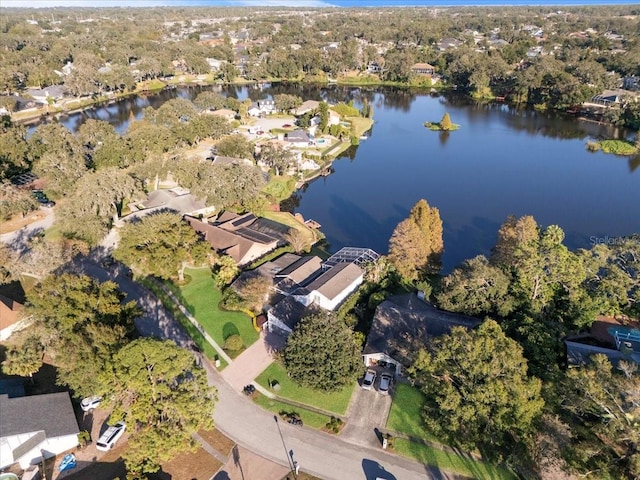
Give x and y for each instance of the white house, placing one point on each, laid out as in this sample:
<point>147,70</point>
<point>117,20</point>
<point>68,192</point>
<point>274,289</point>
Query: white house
<point>332,287</point>
<point>35,427</point>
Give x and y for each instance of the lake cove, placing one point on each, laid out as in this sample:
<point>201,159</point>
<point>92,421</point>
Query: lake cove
<point>501,161</point>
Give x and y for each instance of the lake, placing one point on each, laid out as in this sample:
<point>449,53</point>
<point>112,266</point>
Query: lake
<point>501,161</point>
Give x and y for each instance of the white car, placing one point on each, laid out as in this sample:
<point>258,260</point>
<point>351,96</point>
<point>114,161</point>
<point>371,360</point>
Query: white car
<point>89,403</point>
<point>109,438</point>
<point>385,384</point>
<point>368,380</point>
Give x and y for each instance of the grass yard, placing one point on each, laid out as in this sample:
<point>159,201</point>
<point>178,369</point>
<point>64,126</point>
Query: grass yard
<point>406,412</point>
<point>217,440</point>
<point>280,188</point>
<point>201,297</point>
<point>288,219</point>
<point>360,124</point>
<point>336,402</point>
<point>309,418</point>
<point>193,332</point>
<point>451,461</point>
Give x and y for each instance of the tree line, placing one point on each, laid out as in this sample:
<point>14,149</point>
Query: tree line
<point>582,50</point>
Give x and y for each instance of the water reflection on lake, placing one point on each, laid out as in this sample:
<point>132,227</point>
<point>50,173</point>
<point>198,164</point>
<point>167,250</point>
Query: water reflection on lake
<point>502,161</point>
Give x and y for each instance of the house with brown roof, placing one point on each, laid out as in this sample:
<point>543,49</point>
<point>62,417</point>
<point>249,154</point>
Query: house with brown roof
<point>423,69</point>
<point>402,325</point>
<point>10,316</point>
<point>244,238</point>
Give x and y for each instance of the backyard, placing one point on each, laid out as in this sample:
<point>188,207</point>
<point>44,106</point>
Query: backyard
<point>336,402</point>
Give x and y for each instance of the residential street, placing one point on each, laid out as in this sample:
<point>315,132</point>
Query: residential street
<point>324,455</point>
<point>19,238</point>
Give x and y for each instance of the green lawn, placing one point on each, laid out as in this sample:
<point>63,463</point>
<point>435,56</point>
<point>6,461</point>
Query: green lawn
<point>309,418</point>
<point>336,402</point>
<point>193,332</point>
<point>406,412</point>
<point>360,124</point>
<point>451,461</point>
<point>201,298</point>
<point>280,188</point>
<point>286,218</point>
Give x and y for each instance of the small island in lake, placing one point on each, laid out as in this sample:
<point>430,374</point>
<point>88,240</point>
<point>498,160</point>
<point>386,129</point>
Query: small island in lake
<point>617,147</point>
<point>444,125</point>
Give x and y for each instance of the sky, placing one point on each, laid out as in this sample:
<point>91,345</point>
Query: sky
<point>151,3</point>
<point>296,3</point>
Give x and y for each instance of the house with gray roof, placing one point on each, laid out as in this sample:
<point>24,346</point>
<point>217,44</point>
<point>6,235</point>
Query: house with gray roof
<point>402,325</point>
<point>332,287</point>
<point>285,315</point>
<point>298,274</point>
<point>36,427</point>
<point>306,107</point>
<point>297,138</point>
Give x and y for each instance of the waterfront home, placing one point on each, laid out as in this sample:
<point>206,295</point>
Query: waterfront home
<point>51,93</point>
<point>402,325</point>
<point>331,287</point>
<point>244,238</point>
<point>423,69</point>
<point>297,138</point>
<point>224,113</point>
<point>306,107</point>
<point>261,108</point>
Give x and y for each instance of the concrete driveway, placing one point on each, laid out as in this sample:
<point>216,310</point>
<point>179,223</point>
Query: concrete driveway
<point>366,417</point>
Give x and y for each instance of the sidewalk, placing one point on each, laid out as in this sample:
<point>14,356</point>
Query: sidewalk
<point>196,324</point>
<point>248,365</point>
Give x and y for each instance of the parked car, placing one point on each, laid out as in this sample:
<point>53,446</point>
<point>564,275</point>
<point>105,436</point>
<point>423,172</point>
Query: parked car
<point>287,125</point>
<point>385,383</point>
<point>42,198</point>
<point>368,380</point>
<point>89,403</point>
<point>111,435</point>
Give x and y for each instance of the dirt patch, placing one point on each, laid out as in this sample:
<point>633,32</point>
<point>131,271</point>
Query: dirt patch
<point>198,465</point>
<point>18,222</point>
<point>244,464</point>
<point>218,441</point>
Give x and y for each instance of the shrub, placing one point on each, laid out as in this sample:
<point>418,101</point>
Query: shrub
<point>229,329</point>
<point>234,343</point>
<point>593,146</point>
<point>84,437</point>
<point>334,425</point>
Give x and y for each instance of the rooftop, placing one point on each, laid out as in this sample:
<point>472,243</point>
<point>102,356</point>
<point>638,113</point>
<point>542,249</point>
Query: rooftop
<point>51,413</point>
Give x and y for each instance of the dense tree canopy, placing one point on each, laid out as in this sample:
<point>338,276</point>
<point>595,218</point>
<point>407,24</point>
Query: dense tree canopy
<point>322,353</point>
<point>83,323</point>
<point>161,244</point>
<point>477,390</point>
<point>163,396</point>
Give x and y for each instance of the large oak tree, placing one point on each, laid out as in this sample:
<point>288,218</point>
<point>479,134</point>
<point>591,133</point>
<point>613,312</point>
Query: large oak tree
<point>322,353</point>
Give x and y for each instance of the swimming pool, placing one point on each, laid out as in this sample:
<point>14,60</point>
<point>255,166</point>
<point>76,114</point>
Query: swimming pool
<point>321,141</point>
<point>630,337</point>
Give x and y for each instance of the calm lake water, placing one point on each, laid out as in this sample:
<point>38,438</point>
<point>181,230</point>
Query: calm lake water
<point>502,161</point>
